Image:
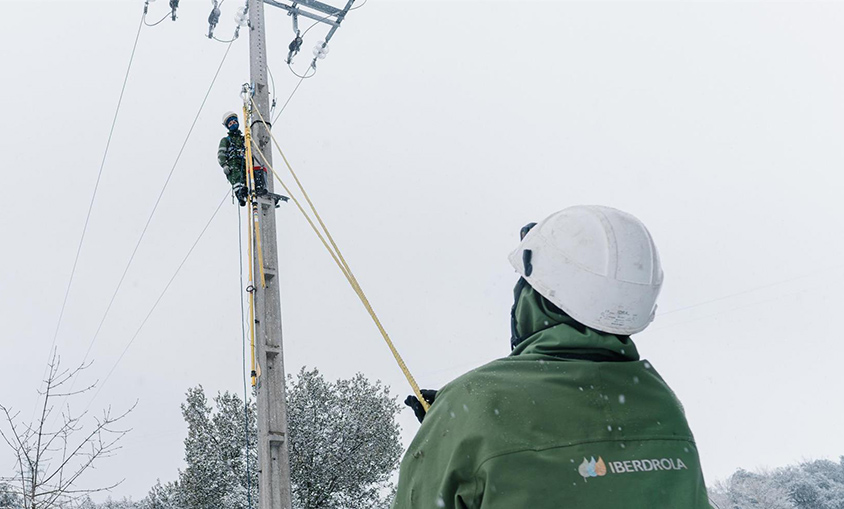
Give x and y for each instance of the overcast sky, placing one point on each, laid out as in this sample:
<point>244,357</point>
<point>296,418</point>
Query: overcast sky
<point>432,132</point>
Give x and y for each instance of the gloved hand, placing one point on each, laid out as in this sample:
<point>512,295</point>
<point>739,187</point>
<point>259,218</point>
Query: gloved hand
<point>413,402</point>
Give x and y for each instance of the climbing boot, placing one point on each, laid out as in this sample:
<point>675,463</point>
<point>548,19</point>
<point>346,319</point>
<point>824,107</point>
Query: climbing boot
<point>240,192</point>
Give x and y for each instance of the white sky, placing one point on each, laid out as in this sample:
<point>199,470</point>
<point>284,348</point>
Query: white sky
<point>432,132</point>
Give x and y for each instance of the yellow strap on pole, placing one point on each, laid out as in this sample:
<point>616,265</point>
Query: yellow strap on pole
<point>339,260</point>
<point>253,201</point>
<point>251,290</point>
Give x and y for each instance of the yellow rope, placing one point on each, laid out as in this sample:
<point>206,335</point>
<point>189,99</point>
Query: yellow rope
<point>338,257</point>
<point>254,229</point>
<point>253,204</point>
<point>251,290</point>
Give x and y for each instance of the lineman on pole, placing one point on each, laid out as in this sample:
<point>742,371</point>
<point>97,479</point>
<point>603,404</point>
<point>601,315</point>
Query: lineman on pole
<point>231,155</point>
<point>572,417</point>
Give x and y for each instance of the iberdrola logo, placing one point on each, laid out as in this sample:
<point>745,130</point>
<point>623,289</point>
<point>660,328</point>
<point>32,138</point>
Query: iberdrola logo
<point>592,468</point>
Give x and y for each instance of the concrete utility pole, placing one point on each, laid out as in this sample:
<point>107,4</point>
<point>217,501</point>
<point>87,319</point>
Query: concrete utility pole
<point>273,456</point>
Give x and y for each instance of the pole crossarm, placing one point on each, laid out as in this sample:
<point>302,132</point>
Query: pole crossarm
<point>324,12</point>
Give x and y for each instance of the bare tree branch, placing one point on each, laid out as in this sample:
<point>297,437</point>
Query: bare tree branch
<point>52,459</point>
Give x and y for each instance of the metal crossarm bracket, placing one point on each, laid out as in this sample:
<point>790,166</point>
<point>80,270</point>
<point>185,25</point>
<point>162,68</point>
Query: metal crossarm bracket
<point>313,9</point>
<point>316,10</point>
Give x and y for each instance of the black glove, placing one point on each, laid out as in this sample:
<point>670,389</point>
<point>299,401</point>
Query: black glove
<point>413,402</point>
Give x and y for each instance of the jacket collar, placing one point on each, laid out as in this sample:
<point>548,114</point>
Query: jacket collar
<point>549,331</point>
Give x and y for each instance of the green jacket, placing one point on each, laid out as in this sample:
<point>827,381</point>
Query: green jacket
<point>571,419</point>
<point>230,155</point>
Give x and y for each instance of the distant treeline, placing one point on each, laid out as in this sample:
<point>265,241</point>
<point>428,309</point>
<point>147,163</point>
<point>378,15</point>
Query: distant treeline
<point>815,484</point>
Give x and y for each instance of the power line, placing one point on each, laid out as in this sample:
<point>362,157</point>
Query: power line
<point>743,292</point>
<point>155,207</point>
<point>315,23</point>
<point>226,41</point>
<point>157,22</point>
<point>146,226</point>
<point>302,78</point>
<point>736,308</point>
<point>158,300</point>
<point>96,187</point>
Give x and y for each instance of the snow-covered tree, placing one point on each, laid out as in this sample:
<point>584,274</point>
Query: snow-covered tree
<point>344,441</point>
<point>163,496</point>
<point>815,484</point>
<point>748,490</point>
<point>344,446</point>
<point>216,453</point>
<point>9,498</point>
<point>810,485</point>
<point>124,503</point>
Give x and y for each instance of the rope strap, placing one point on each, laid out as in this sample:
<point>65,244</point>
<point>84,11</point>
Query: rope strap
<point>335,253</point>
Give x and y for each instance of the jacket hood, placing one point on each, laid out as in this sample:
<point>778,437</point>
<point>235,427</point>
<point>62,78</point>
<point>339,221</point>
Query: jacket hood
<point>549,331</point>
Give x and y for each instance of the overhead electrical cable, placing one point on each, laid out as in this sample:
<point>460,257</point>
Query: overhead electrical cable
<point>289,98</point>
<point>302,76</point>
<point>157,22</point>
<point>742,306</point>
<point>300,37</point>
<point>335,253</point>
<point>149,220</point>
<point>229,41</point>
<point>160,296</point>
<point>750,290</point>
<point>96,187</point>
<point>157,202</point>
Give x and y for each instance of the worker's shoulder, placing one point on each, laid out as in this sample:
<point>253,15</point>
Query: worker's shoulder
<point>570,398</point>
<point>517,371</point>
<point>484,378</point>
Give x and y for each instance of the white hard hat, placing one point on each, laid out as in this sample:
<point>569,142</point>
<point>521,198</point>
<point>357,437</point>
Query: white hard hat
<point>597,264</point>
<point>228,115</point>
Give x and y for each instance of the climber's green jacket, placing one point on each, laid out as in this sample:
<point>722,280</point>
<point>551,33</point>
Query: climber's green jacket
<point>571,419</point>
<point>230,155</point>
